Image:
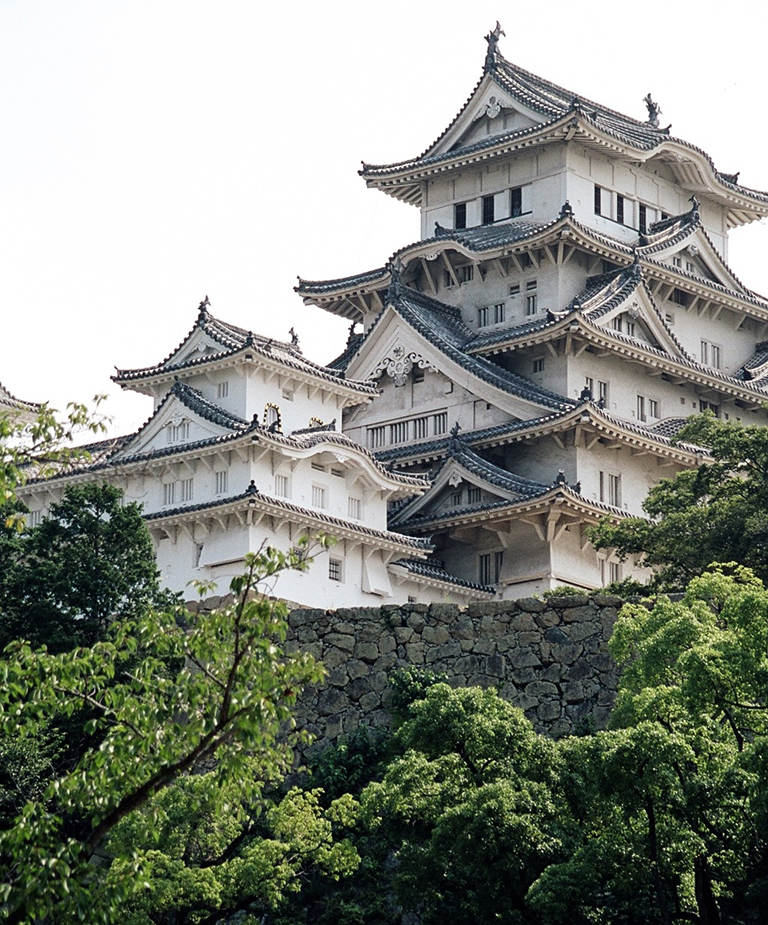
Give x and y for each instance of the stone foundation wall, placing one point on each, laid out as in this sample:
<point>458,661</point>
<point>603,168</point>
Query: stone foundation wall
<point>549,657</point>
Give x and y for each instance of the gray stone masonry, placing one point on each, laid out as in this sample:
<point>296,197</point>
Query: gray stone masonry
<point>548,657</point>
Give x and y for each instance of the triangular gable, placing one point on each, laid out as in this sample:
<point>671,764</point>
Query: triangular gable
<point>179,420</point>
<point>489,111</point>
<point>394,347</point>
<point>198,343</point>
<point>639,318</point>
<point>697,255</point>
<point>465,480</point>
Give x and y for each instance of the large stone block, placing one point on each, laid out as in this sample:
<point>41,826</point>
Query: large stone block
<point>341,641</point>
<point>367,651</point>
<point>579,614</point>
<point>331,700</point>
<point>532,605</point>
<point>445,613</point>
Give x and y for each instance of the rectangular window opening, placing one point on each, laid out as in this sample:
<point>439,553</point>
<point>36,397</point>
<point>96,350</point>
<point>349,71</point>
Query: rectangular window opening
<point>460,215</point>
<point>488,210</point>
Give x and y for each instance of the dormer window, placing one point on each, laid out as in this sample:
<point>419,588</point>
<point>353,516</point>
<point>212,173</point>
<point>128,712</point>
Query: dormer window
<point>460,215</point>
<point>271,419</point>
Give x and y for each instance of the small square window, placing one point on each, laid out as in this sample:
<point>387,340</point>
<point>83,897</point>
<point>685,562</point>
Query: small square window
<point>456,497</point>
<point>474,495</point>
<point>466,273</point>
<point>355,508</point>
<point>281,486</point>
<point>514,289</point>
<point>334,569</point>
<point>319,497</point>
<point>538,365</point>
<point>222,389</point>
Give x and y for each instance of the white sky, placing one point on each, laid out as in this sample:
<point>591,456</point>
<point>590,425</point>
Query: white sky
<point>155,151</point>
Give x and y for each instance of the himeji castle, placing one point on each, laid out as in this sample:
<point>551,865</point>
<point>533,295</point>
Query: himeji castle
<point>512,377</point>
<point>568,305</point>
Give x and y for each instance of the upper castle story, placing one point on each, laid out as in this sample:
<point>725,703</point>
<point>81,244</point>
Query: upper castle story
<point>521,147</point>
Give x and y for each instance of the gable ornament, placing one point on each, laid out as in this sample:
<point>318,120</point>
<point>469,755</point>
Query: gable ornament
<point>398,365</point>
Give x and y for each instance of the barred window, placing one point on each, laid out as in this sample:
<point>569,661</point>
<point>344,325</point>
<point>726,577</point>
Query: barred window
<point>482,317</point>
<point>498,313</point>
<point>474,495</point>
<point>334,569</point>
<point>460,215</point>
<point>281,486</point>
<point>186,487</point>
<point>319,496</point>
<point>222,389</point>
<point>169,493</point>
<point>440,423</point>
<point>355,509</point>
<point>398,432</point>
<point>421,428</point>
<point>178,433</point>
<point>377,437</point>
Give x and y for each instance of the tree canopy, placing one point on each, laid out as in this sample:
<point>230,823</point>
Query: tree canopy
<point>717,512</point>
<point>89,561</point>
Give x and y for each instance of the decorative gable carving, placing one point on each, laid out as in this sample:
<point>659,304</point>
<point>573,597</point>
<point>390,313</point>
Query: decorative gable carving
<point>399,363</point>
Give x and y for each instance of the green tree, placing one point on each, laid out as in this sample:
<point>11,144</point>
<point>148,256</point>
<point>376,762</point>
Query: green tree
<point>88,562</point>
<point>715,513</point>
<point>198,687</point>
<point>43,445</point>
<point>470,808</point>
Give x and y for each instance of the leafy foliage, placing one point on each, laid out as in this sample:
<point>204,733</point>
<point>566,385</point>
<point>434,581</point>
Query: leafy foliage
<point>89,561</point>
<point>715,513</point>
<point>198,687</point>
<point>43,446</point>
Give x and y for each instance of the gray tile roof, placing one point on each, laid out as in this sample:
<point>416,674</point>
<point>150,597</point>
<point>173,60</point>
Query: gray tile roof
<point>443,327</point>
<point>488,472</point>
<point>756,367</point>
<point>10,403</point>
<point>304,514</point>
<point>430,568</point>
<point>500,433</point>
<point>555,103</point>
<point>234,341</point>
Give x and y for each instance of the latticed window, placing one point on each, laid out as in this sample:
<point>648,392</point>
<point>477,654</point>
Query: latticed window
<point>222,482</point>
<point>355,509</point>
<point>498,313</point>
<point>178,433</point>
<point>281,486</point>
<point>482,317</point>
<point>399,432</point>
<point>440,422</point>
<point>377,437</point>
<point>474,495</point>
<point>421,428</point>
<point>466,273</point>
<point>319,496</point>
<point>222,389</point>
<point>186,489</point>
<point>334,569</point>
<point>169,493</point>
